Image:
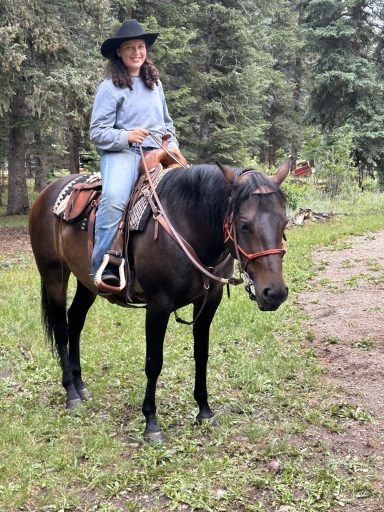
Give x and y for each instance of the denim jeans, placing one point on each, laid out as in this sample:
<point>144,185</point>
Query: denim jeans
<point>119,172</point>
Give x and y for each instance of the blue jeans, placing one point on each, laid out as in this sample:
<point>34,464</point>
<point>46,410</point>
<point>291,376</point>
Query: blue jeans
<point>119,172</point>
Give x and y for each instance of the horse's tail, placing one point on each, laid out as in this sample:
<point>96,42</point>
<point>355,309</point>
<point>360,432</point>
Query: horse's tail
<point>47,317</point>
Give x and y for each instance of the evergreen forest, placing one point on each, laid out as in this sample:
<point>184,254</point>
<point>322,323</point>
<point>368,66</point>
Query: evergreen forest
<point>248,82</point>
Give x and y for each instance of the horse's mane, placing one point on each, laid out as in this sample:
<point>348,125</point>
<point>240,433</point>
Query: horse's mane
<point>203,188</point>
<point>199,188</point>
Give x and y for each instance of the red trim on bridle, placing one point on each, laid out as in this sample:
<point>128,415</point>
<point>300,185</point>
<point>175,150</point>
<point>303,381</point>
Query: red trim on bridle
<point>250,256</point>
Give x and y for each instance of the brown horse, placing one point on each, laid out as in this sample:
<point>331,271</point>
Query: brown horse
<point>199,201</point>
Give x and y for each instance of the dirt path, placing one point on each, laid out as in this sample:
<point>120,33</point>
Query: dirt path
<point>345,309</point>
<point>13,241</point>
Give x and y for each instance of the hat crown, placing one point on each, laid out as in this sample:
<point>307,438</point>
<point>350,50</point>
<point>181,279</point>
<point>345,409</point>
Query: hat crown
<point>130,28</point>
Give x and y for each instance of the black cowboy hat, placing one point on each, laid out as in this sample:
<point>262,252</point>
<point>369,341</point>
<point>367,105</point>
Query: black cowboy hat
<point>130,29</point>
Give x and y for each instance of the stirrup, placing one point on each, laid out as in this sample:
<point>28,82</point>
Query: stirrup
<point>103,287</point>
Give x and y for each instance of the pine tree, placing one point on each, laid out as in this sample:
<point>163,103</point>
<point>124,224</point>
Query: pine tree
<point>48,64</point>
<point>286,74</point>
<point>215,73</point>
<point>230,83</point>
<point>173,55</point>
<point>377,14</point>
<point>346,84</point>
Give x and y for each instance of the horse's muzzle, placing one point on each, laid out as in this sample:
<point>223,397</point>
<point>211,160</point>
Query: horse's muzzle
<point>271,298</point>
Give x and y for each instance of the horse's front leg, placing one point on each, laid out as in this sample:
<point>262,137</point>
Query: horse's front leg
<point>201,352</point>
<point>156,324</point>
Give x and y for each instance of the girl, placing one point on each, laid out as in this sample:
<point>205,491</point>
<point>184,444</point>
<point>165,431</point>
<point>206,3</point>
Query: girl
<point>128,105</point>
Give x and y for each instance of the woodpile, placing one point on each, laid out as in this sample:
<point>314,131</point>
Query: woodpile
<point>306,214</point>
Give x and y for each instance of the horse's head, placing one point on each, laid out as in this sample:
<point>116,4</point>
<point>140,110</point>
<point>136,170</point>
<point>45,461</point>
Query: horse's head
<point>255,230</point>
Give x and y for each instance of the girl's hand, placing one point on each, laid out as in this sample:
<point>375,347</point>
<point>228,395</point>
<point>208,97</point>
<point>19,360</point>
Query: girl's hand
<point>137,135</point>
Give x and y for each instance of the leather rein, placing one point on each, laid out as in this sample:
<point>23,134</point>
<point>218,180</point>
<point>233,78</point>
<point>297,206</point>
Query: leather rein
<point>229,234</point>
<point>160,216</point>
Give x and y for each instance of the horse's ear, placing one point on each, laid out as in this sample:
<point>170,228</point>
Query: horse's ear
<point>229,175</point>
<point>283,170</point>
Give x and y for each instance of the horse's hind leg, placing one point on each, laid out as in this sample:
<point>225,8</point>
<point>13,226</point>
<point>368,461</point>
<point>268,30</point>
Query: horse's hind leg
<point>54,298</point>
<point>77,313</point>
<point>201,353</point>
<point>54,312</point>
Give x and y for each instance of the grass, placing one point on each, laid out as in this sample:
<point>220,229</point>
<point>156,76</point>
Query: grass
<point>13,221</point>
<point>265,385</point>
<point>363,344</point>
<point>330,340</point>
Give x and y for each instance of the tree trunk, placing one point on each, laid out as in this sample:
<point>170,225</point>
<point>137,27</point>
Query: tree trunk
<point>17,185</point>
<point>380,173</point>
<point>204,137</point>
<point>271,133</point>
<point>73,147</point>
<point>41,175</point>
<point>205,119</point>
<point>272,146</point>
<point>3,178</point>
<point>298,100</point>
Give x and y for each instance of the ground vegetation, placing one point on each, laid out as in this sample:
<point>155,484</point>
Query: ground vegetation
<point>297,392</point>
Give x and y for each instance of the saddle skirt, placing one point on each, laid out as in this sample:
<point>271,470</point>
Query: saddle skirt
<point>70,204</point>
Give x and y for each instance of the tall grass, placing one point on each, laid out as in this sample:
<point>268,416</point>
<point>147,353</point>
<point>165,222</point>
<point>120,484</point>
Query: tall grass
<point>263,382</point>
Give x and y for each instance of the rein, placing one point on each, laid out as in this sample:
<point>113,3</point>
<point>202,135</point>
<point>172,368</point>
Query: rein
<point>160,216</point>
<point>166,150</point>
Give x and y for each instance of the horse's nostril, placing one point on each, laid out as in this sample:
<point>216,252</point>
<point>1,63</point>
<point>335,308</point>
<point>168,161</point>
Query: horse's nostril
<point>275,294</point>
<point>266,293</point>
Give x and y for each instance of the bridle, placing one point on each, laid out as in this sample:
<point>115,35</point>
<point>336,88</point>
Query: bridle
<point>230,234</point>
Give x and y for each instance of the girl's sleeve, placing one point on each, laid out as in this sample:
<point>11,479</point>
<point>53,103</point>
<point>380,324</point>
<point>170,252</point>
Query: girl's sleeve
<point>102,131</point>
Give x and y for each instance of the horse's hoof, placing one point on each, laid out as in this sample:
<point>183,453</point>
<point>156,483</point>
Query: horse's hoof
<point>85,394</point>
<point>206,419</point>
<point>73,403</point>
<point>154,437</point>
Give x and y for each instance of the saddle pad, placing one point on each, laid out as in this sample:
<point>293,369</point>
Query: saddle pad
<point>62,199</point>
<point>141,210</point>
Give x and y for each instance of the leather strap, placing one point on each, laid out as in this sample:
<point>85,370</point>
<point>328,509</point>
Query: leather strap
<point>160,215</point>
<point>165,148</point>
<point>205,298</point>
<point>91,227</point>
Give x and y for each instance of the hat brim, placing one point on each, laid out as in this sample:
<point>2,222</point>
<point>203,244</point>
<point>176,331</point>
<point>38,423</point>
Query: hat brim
<point>109,46</point>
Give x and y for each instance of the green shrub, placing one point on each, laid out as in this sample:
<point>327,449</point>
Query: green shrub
<point>294,192</point>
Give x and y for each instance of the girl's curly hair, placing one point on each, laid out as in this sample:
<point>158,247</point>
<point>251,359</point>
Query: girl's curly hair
<point>121,77</point>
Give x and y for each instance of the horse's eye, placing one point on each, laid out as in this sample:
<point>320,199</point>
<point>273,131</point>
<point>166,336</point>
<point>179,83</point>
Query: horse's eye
<point>244,226</point>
